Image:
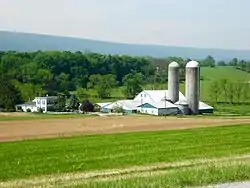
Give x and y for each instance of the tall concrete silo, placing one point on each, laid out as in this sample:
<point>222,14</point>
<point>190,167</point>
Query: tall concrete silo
<point>173,81</point>
<point>193,86</point>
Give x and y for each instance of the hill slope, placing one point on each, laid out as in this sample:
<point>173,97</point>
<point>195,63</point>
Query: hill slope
<point>33,42</point>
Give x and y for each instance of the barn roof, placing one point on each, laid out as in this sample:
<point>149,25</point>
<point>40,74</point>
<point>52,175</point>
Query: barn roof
<point>160,104</point>
<point>159,95</point>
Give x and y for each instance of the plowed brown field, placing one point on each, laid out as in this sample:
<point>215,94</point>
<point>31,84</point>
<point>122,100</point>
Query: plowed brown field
<point>27,129</point>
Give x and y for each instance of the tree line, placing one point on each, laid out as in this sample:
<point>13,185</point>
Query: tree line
<point>27,75</point>
<point>227,91</point>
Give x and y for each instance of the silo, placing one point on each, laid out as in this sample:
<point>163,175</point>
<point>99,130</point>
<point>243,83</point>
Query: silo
<point>173,81</point>
<point>192,86</point>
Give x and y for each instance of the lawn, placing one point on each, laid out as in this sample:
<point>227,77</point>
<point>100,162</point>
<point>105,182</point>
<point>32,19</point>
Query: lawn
<point>98,152</point>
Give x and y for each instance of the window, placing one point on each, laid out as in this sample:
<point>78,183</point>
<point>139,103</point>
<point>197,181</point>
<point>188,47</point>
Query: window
<point>43,101</point>
<point>38,101</point>
<point>145,95</point>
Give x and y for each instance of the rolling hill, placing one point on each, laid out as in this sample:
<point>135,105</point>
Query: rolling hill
<point>26,42</point>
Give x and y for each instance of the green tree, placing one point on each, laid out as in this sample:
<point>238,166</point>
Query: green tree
<point>242,65</point>
<point>73,103</point>
<point>102,84</point>
<point>208,62</point>
<point>60,103</point>
<point>230,92</point>
<point>238,91</point>
<point>233,62</point>
<point>82,94</point>
<point>133,84</point>
<point>9,95</point>
<point>246,92</point>
<point>224,89</point>
<point>222,63</point>
<point>215,91</point>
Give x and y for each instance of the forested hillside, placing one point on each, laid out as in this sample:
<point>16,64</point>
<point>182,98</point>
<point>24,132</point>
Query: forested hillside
<point>63,73</point>
<point>26,42</point>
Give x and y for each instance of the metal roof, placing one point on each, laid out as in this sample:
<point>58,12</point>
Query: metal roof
<point>204,106</point>
<point>125,104</point>
<point>160,104</point>
<point>103,104</point>
<point>159,95</point>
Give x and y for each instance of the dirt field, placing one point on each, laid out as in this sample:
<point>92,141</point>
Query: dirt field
<point>19,130</point>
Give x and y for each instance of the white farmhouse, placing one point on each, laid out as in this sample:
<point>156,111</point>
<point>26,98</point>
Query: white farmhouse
<point>38,103</point>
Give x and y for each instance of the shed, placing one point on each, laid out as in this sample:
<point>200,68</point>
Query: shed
<point>102,106</point>
<point>129,106</point>
<point>158,108</point>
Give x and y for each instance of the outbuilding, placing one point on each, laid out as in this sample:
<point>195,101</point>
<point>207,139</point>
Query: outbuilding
<point>158,108</point>
<point>102,107</point>
<point>128,106</point>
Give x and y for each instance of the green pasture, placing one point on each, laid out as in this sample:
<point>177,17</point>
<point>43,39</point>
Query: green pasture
<point>23,159</point>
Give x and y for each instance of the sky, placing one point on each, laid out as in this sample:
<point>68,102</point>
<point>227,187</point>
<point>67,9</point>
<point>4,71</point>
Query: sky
<point>197,23</point>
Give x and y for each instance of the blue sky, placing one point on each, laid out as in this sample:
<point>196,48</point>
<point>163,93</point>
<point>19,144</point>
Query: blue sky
<point>199,23</point>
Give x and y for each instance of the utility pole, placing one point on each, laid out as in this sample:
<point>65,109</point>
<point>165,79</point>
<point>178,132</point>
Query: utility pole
<point>165,101</point>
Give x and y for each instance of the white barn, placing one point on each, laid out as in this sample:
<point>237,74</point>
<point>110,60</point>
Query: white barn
<point>154,102</point>
<point>155,96</point>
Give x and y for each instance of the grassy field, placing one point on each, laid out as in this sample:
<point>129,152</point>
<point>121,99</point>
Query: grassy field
<point>197,175</point>
<point>34,158</point>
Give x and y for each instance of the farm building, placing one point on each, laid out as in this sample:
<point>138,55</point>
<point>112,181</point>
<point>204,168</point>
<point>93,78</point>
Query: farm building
<point>101,107</point>
<point>129,106</point>
<point>38,103</point>
<point>153,102</point>
<point>158,108</point>
<point>171,101</point>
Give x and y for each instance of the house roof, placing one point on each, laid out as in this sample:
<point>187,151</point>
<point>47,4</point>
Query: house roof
<point>160,104</point>
<point>27,104</point>
<point>46,97</point>
<point>159,95</point>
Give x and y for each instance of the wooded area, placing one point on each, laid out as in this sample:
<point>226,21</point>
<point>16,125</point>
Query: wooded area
<point>59,73</point>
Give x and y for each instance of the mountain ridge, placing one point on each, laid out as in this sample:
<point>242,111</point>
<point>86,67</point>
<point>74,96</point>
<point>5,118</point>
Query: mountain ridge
<point>28,42</point>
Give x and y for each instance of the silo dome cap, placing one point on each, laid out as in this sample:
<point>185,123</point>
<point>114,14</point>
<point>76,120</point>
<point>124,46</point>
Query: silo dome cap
<point>192,64</point>
<point>173,64</point>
